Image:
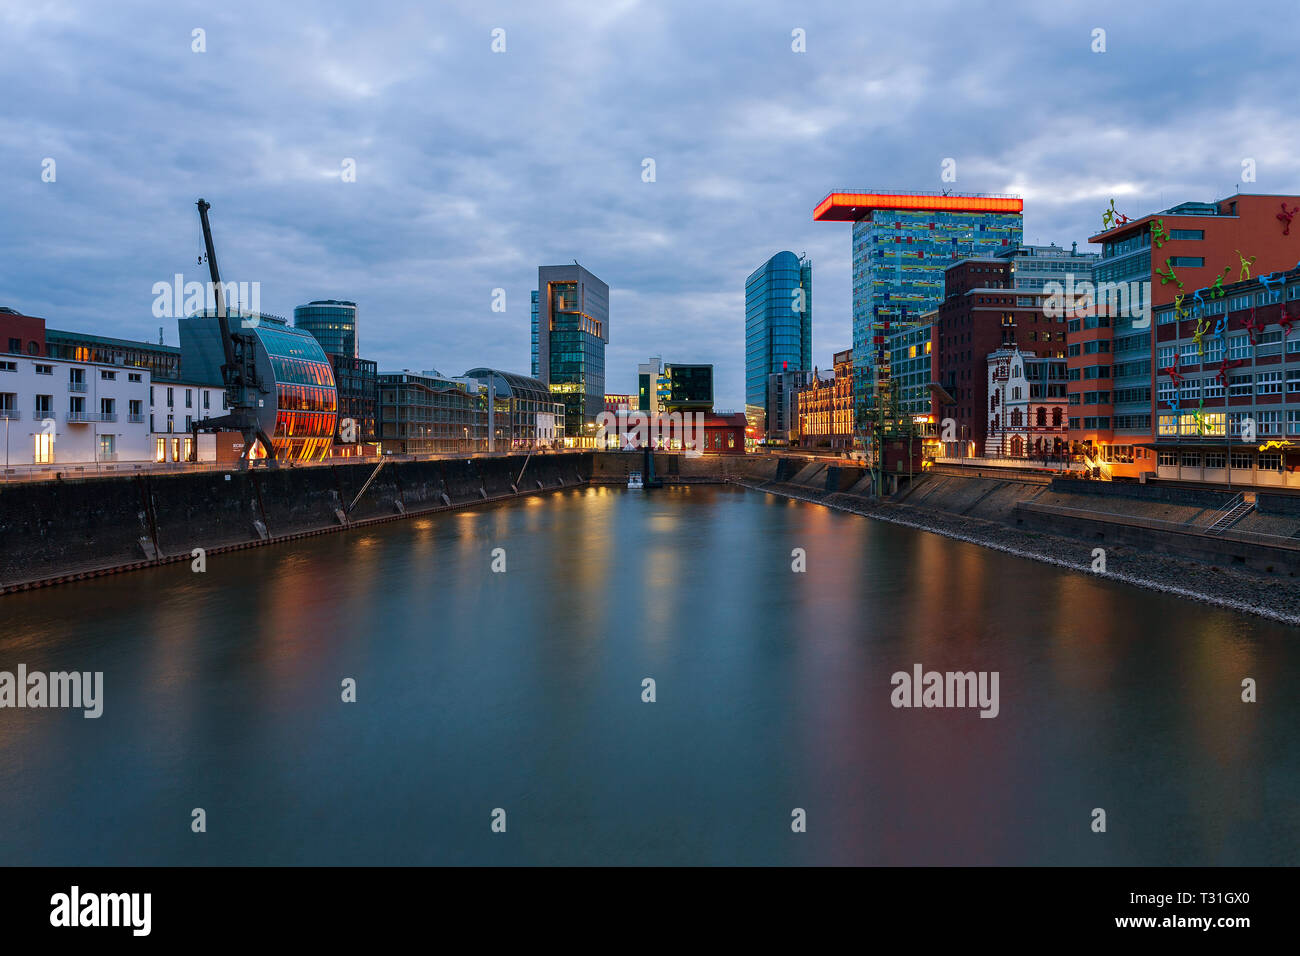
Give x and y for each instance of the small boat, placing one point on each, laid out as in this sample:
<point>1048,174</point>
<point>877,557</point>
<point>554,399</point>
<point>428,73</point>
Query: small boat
<point>634,480</point>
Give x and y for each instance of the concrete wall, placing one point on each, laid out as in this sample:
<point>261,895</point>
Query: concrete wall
<point>60,528</point>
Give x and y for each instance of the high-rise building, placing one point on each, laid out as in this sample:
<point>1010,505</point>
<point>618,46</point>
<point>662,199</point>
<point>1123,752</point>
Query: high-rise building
<point>332,323</point>
<point>570,328</point>
<point>778,329</point>
<point>1185,250</point>
<point>902,243</point>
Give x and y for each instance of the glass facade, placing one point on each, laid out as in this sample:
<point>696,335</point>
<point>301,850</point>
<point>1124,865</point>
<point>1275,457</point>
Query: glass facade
<point>910,360</point>
<point>778,326</point>
<point>524,413</point>
<point>426,414</point>
<point>162,361</point>
<point>686,387</point>
<point>899,258</point>
<point>570,328</point>
<point>306,401</point>
<point>332,323</point>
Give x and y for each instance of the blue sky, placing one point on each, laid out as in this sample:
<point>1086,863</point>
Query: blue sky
<point>475,167</point>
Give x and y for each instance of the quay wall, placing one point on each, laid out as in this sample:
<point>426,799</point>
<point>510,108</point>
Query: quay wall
<point>54,531</point>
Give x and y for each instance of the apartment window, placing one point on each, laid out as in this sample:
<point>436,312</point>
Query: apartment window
<point>8,405</point>
<point>107,410</point>
<point>1239,346</point>
<point>1270,422</point>
<point>1097,345</point>
<point>44,405</point>
<point>1235,420</point>
<point>134,377</point>
<point>1238,302</point>
<point>1186,233</point>
<point>135,408</point>
<point>1213,350</point>
<point>1293,292</point>
<point>8,366</point>
<point>16,345</point>
<point>43,451</point>
<point>1293,421</point>
<point>1269,462</point>
<point>1189,354</point>
<point>1239,385</point>
<point>1165,391</point>
<point>189,398</point>
<point>1242,460</point>
<point>107,446</point>
<point>1268,383</point>
<point>44,369</point>
<point>207,400</point>
<point>1191,459</point>
<point>1168,425</point>
<point>1073,349</point>
<point>1215,459</point>
<point>107,376</point>
<point>1168,458</point>
<point>171,399</point>
<point>1213,388</point>
<point>1165,357</point>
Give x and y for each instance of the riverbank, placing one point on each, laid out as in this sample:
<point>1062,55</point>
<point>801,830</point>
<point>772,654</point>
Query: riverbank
<point>1244,590</point>
<point>58,532</point>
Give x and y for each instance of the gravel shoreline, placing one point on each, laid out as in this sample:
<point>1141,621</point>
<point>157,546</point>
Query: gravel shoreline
<point>1251,592</point>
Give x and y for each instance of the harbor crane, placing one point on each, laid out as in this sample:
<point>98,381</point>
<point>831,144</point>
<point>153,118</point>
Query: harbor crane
<point>239,374</point>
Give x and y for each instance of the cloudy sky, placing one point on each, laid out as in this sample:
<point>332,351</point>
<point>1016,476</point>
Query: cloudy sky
<point>474,167</point>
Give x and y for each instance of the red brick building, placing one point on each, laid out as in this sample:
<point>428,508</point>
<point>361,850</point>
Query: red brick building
<point>982,312</point>
<point>21,334</point>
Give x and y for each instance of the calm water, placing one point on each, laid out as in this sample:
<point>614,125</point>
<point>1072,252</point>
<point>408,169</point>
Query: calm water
<point>522,691</point>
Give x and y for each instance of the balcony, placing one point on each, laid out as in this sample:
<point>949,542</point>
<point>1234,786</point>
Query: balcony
<point>76,386</point>
<point>41,414</point>
<point>106,417</point>
<point>80,418</point>
<point>10,413</point>
<point>135,419</point>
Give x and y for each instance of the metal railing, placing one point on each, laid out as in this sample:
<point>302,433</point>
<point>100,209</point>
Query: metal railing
<point>81,418</point>
<point>76,386</point>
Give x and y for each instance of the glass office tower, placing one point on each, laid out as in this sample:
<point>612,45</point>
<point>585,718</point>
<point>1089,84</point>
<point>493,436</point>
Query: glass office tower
<point>332,323</point>
<point>778,327</point>
<point>570,328</point>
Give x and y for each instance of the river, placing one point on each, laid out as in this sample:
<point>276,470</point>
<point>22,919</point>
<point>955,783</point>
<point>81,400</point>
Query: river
<point>522,690</point>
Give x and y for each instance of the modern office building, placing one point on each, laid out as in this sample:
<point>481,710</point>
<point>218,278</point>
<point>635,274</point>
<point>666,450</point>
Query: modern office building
<point>620,403</point>
<point>778,330</point>
<point>162,361</point>
<point>981,313</point>
<point>570,329</point>
<point>902,244</point>
<point>1188,250</point>
<point>427,413</point>
<point>523,414</point>
<point>1035,266</point>
<point>686,388</point>
<point>332,323</point>
<point>781,406</point>
<point>1027,405</point>
<point>911,365</point>
<point>824,407</point>
<point>357,381</point>
<point>647,385</point>
<point>1228,385</point>
<point>300,409</point>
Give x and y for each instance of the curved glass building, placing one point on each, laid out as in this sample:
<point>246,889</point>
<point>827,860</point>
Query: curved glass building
<point>332,323</point>
<point>523,412</point>
<point>300,405</point>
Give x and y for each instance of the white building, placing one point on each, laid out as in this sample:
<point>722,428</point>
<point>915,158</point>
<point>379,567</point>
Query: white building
<point>1028,406</point>
<point>173,406</point>
<point>57,412</point>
